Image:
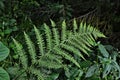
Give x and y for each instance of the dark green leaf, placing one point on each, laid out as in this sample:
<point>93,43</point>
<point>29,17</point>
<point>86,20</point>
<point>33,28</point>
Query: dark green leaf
<point>4,51</point>
<point>103,50</point>
<point>53,76</point>
<point>3,74</point>
<point>91,70</point>
<point>106,70</point>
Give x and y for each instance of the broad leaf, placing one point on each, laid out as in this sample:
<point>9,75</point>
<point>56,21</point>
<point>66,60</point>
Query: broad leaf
<point>4,51</point>
<point>92,70</point>
<point>106,70</point>
<point>103,50</point>
<point>53,76</point>
<point>4,75</point>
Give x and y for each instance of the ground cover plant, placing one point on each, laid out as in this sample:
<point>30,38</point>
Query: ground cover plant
<point>59,40</point>
<point>58,50</point>
<point>63,53</point>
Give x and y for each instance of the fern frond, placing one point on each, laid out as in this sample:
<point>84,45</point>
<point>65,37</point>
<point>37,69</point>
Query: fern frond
<point>57,46</point>
<point>97,33</point>
<point>52,23</point>
<point>77,46</point>
<point>66,55</point>
<point>83,28</point>
<point>40,41</point>
<point>31,48</point>
<point>72,49</point>
<point>21,53</point>
<point>47,62</point>
<point>83,41</point>
<point>75,27</point>
<point>80,42</point>
<point>36,72</point>
<point>56,34</point>
<point>48,37</point>
<point>64,32</point>
<point>54,57</point>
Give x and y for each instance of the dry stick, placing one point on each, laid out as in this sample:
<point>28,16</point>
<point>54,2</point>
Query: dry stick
<point>84,15</point>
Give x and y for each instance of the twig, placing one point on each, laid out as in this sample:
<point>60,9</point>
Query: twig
<point>85,14</point>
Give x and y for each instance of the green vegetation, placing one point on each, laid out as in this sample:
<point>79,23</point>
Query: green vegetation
<point>4,52</point>
<point>71,43</point>
<point>59,40</point>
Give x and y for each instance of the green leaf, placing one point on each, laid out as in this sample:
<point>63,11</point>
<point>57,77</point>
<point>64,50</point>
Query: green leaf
<point>53,76</point>
<point>1,4</point>
<point>103,50</point>
<point>3,74</point>
<point>52,23</point>
<point>107,70</point>
<point>8,31</point>
<point>4,51</point>
<point>13,71</point>
<point>14,28</point>
<point>91,70</point>
<point>109,47</point>
<point>79,75</point>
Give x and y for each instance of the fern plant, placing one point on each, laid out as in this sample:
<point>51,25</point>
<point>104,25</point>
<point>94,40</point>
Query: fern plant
<point>54,46</point>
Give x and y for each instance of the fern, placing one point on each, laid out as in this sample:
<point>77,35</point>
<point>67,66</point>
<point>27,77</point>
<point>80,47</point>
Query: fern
<point>63,33</point>
<point>48,36</point>
<point>31,48</point>
<point>73,50</point>
<point>40,41</point>
<point>22,54</point>
<point>56,46</point>
<point>75,27</point>
<point>36,73</point>
<point>66,56</point>
<point>56,34</point>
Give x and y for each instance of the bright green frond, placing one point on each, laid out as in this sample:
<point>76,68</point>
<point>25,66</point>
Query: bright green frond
<point>73,50</point>
<point>21,53</point>
<point>77,46</point>
<point>63,33</point>
<point>56,33</point>
<point>31,48</point>
<point>75,27</point>
<point>40,41</point>
<point>66,56</point>
<point>48,36</point>
<point>47,62</point>
<point>36,73</point>
<point>54,57</point>
<point>81,43</point>
<point>52,23</point>
<point>81,27</point>
<point>84,28</point>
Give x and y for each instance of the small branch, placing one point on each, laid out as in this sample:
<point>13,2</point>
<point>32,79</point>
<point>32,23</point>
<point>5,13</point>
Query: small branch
<point>84,15</point>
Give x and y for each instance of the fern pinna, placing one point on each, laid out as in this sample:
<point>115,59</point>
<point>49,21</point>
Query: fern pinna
<point>55,46</point>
